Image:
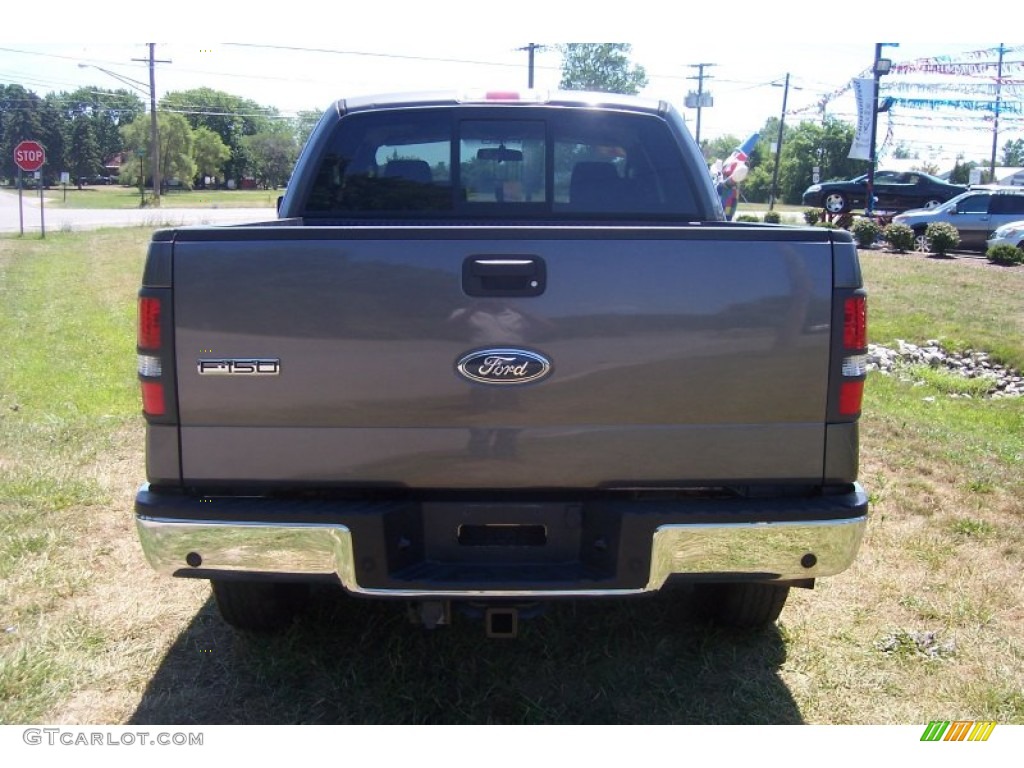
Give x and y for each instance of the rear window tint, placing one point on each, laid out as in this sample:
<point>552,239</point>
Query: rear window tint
<point>559,164</point>
<point>1010,204</point>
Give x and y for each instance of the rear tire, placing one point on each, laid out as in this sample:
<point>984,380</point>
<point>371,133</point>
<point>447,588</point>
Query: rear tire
<point>259,606</point>
<point>745,605</point>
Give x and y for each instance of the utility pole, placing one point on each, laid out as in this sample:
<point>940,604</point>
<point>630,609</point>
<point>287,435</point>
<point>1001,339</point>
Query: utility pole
<point>778,145</point>
<point>697,99</point>
<point>154,135</point>
<point>995,123</point>
<point>531,48</point>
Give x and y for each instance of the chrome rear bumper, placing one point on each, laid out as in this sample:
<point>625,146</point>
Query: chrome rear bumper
<point>787,551</point>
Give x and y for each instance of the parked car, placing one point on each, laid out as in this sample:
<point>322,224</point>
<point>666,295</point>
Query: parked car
<point>975,214</point>
<point>1008,234</point>
<point>893,191</point>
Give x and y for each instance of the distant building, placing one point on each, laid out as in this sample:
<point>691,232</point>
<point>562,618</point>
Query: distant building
<point>1010,177</point>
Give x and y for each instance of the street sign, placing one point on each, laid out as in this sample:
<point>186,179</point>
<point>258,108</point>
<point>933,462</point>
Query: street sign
<point>29,156</point>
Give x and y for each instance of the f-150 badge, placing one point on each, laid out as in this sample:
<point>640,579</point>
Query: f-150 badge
<point>240,367</point>
<point>503,366</point>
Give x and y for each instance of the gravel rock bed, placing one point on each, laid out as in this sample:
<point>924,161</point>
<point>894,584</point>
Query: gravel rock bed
<point>971,364</point>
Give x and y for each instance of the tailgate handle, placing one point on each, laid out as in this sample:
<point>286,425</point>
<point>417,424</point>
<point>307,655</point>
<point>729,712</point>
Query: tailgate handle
<point>510,275</point>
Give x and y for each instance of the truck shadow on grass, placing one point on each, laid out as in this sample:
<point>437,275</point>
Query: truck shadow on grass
<point>351,661</point>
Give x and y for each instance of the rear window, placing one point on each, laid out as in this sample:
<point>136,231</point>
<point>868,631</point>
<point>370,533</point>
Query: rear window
<point>1007,204</point>
<point>506,163</point>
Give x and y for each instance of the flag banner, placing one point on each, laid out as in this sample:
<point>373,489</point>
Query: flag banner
<point>986,68</point>
<point>975,89</point>
<point>976,105</point>
<point>864,90</point>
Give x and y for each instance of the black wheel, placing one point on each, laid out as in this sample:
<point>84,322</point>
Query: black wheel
<point>836,202</point>
<point>933,203</point>
<point>921,244</point>
<point>259,606</point>
<point>746,605</point>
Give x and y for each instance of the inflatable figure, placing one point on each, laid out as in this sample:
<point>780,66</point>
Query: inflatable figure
<point>728,176</point>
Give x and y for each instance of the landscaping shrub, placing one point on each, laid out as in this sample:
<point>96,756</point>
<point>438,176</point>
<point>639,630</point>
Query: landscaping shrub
<point>942,237</point>
<point>812,216</point>
<point>1007,255</point>
<point>865,232</point>
<point>772,217</point>
<point>747,217</point>
<point>844,220</point>
<point>899,236</point>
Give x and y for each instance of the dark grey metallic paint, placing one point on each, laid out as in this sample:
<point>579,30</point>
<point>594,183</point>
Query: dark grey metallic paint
<point>684,359</point>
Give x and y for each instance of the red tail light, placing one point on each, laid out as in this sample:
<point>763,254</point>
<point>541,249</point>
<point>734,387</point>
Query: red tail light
<point>149,322</point>
<point>153,398</point>
<point>854,366</point>
<point>851,394</point>
<point>150,361</point>
<point>855,323</point>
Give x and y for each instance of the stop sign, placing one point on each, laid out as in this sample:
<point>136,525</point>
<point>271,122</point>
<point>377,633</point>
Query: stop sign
<point>29,156</point>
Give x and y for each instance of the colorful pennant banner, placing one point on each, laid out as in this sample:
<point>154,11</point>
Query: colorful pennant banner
<point>1009,107</point>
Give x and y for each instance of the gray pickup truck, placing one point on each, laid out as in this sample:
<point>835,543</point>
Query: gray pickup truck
<point>499,348</point>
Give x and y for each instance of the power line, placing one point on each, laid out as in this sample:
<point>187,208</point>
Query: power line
<point>407,57</point>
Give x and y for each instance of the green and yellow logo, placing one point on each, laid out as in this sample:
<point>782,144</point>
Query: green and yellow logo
<point>958,730</point>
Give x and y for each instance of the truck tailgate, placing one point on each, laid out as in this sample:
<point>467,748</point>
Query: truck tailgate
<point>328,356</point>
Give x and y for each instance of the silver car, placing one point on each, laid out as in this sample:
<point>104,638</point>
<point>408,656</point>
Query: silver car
<point>1008,234</point>
<point>976,214</point>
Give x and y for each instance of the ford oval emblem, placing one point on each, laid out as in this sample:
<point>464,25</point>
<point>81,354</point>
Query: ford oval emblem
<point>503,366</point>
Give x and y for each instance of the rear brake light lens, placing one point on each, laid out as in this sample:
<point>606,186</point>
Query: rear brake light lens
<point>854,363</point>
<point>151,357</point>
<point>855,323</point>
<point>149,323</point>
<point>153,398</point>
<point>851,394</point>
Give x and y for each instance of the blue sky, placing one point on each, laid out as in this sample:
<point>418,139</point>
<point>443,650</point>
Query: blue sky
<point>291,64</point>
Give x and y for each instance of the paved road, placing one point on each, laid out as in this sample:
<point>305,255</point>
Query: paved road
<point>76,220</point>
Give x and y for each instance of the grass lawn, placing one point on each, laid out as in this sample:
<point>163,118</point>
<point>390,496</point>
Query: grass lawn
<point>116,196</point>
<point>928,623</point>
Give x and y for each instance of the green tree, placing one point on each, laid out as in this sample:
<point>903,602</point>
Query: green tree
<point>175,149</point>
<point>1013,153</point>
<point>927,166</point>
<point>901,152</point>
<point>107,111</point>
<point>20,119</point>
<point>601,67</point>
<point>304,123</point>
<point>720,148</point>
<point>811,144</point>
<point>230,117</point>
<point>56,136</point>
<point>272,156</point>
<point>83,152</point>
<point>961,173</point>
<point>209,152</point>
